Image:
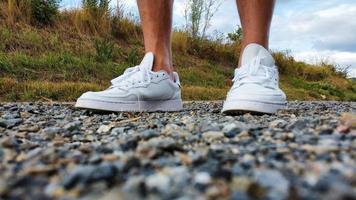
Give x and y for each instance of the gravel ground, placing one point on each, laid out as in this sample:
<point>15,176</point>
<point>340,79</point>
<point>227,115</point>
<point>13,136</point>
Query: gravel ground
<point>53,151</point>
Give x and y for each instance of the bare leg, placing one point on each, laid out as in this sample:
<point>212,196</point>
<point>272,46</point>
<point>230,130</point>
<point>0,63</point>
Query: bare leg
<point>156,21</point>
<point>256,17</point>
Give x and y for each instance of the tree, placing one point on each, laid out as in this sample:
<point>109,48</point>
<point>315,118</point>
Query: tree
<point>97,8</point>
<point>236,36</point>
<point>198,15</point>
<point>120,9</point>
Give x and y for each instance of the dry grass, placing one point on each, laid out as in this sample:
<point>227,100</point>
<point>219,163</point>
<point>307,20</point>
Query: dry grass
<point>87,23</point>
<point>203,93</point>
<point>14,11</point>
<point>180,41</point>
<point>13,90</point>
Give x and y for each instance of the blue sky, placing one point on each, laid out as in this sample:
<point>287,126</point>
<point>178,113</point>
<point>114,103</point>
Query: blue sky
<point>312,30</point>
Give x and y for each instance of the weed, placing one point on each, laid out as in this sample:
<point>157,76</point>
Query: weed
<point>132,57</point>
<point>104,49</point>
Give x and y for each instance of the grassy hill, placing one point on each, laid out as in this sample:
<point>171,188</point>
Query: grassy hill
<point>79,52</point>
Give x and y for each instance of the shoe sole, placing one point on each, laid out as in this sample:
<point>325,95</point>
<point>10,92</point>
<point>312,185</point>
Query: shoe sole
<point>131,106</point>
<point>243,106</point>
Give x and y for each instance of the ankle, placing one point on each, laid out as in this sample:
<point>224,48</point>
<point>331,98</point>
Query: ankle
<point>162,62</point>
<point>166,68</point>
<point>246,42</point>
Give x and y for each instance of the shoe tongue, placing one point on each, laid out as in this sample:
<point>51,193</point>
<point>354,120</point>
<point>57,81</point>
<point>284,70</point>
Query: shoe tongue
<point>253,50</point>
<point>147,61</point>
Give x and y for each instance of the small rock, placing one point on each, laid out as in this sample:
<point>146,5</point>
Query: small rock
<point>347,123</point>
<point>27,128</point>
<point>167,144</point>
<point>233,129</point>
<point>209,126</point>
<point>10,142</point>
<point>89,174</point>
<point>148,134</point>
<point>95,159</point>
<point>51,132</point>
<point>240,195</point>
<point>277,186</point>
<point>72,126</point>
<point>202,178</point>
<point>298,125</point>
<point>10,123</point>
<point>213,135</point>
<point>348,119</point>
<point>135,184</point>
<point>279,123</point>
<point>103,129</point>
<point>2,155</point>
<point>80,174</point>
<point>159,181</point>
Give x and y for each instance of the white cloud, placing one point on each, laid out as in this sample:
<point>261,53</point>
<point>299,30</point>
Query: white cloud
<point>325,31</point>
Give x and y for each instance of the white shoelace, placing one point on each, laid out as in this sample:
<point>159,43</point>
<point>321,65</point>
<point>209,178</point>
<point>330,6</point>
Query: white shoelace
<point>244,73</point>
<point>132,76</point>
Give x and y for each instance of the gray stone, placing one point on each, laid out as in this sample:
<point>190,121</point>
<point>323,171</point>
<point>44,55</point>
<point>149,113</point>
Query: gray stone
<point>51,132</point>
<point>279,123</point>
<point>276,184</point>
<point>233,129</point>
<point>73,126</point>
<point>148,134</point>
<point>9,123</point>
<point>213,135</point>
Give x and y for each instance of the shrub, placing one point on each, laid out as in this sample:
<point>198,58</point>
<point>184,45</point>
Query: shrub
<point>236,36</point>
<point>44,12</point>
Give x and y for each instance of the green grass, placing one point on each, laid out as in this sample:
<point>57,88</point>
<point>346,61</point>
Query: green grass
<point>63,61</point>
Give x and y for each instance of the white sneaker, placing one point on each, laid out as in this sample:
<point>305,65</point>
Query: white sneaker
<point>138,89</point>
<point>255,85</point>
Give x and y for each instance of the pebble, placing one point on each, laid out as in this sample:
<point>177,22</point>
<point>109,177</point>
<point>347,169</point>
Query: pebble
<point>72,126</point>
<point>55,151</point>
<point>9,123</point>
<point>277,186</point>
<point>202,178</point>
<point>231,130</point>
<point>148,134</point>
<point>159,182</point>
<point>213,135</point>
<point>103,129</point>
<point>278,123</point>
